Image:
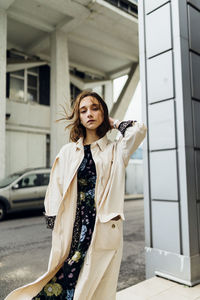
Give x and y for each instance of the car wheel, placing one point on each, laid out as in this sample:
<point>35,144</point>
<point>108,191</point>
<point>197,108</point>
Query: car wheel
<point>2,212</point>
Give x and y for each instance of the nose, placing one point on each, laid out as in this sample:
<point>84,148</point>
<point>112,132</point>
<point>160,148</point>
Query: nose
<point>89,113</point>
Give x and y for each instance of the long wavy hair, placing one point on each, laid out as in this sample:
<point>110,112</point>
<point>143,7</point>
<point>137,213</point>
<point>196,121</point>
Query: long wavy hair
<point>77,129</point>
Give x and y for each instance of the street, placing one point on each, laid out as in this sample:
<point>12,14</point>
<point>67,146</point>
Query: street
<point>25,247</point>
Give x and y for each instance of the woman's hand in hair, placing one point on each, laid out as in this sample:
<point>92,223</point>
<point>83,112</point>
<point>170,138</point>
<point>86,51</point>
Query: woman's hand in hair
<point>112,121</point>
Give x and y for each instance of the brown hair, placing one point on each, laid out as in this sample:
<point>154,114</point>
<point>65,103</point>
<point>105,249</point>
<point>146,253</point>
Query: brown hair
<point>78,130</point>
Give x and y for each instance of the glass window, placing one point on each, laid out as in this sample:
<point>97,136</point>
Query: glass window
<point>21,91</point>
<point>16,88</point>
<point>31,180</point>
<point>34,70</point>
<point>8,180</point>
<point>32,81</point>
<point>45,178</point>
<point>19,73</point>
<point>32,95</point>
<point>48,150</point>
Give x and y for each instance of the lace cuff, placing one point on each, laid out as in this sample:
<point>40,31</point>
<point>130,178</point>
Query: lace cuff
<point>50,220</point>
<point>124,125</point>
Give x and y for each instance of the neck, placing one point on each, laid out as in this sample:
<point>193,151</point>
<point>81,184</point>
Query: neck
<point>91,137</point>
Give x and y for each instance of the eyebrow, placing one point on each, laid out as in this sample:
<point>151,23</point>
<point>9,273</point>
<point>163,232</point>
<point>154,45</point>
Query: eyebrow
<point>93,104</point>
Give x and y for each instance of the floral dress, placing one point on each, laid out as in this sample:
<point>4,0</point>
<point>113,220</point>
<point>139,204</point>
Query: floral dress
<point>62,285</point>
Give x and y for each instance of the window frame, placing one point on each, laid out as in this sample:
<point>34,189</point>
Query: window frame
<point>27,72</point>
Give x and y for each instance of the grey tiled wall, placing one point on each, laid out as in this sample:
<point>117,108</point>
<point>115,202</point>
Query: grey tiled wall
<point>170,75</point>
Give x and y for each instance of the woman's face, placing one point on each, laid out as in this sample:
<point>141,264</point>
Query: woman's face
<point>91,115</point>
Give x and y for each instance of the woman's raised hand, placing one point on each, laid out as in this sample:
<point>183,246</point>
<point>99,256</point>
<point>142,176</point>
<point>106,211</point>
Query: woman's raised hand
<point>114,121</point>
<point>111,120</point>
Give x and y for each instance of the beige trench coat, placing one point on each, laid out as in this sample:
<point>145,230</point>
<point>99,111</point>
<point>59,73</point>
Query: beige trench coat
<point>99,274</point>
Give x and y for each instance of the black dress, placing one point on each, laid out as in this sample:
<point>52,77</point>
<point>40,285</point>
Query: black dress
<point>62,285</point>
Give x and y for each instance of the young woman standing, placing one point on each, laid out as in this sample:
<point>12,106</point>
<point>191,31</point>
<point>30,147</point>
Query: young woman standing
<point>84,207</point>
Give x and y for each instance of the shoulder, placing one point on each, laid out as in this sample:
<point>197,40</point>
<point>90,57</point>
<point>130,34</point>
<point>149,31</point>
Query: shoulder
<point>66,149</point>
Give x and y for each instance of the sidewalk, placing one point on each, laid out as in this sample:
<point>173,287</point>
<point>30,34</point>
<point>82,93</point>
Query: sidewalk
<point>157,288</point>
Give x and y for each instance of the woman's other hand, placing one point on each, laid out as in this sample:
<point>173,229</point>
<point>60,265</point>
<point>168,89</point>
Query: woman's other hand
<point>112,121</point>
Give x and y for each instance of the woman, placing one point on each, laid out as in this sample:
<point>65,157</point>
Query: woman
<point>84,207</point>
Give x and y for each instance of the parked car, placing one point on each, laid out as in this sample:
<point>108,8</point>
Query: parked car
<point>23,190</point>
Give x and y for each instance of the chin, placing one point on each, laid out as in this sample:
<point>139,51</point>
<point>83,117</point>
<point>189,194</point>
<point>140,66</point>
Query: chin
<point>92,126</point>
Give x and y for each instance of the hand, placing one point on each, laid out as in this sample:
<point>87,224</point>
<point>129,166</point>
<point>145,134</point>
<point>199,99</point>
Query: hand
<point>111,120</point>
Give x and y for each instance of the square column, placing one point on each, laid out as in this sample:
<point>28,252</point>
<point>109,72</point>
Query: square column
<point>108,94</point>
<point>3,45</point>
<point>169,68</point>
<point>60,90</point>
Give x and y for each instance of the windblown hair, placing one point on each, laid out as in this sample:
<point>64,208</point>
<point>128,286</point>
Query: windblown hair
<point>77,129</point>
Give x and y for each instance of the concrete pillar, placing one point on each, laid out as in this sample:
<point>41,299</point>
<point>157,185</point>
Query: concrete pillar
<point>169,69</point>
<point>120,107</point>
<point>60,90</point>
<point>108,94</point>
<point>3,43</point>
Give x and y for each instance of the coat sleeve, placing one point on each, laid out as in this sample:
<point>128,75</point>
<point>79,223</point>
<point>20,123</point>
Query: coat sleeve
<point>131,139</point>
<point>53,194</point>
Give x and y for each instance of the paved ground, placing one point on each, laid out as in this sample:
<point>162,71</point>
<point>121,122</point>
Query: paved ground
<point>25,247</point>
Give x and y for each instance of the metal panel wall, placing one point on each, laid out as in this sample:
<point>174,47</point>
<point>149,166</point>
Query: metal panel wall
<point>195,78</point>
<point>197,165</point>
<point>163,172</point>
<point>196,123</point>
<point>169,38</point>
<point>153,4</point>
<point>198,213</point>
<point>160,77</point>
<point>165,221</point>
<point>196,3</point>
<point>162,125</point>
<point>194,25</point>
<point>154,33</point>
<point>194,48</point>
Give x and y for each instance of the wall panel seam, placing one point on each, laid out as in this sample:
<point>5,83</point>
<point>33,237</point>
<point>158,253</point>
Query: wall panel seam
<point>165,200</point>
<point>147,124</point>
<point>164,149</point>
<point>160,53</point>
<point>159,101</point>
<point>157,7</point>
<point>193,6</point>
<point>194,51</point>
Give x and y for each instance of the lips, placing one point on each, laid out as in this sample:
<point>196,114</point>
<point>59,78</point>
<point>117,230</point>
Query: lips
<point>90,121</point>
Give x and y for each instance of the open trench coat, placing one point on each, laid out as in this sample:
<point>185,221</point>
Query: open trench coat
<point>99,274</point>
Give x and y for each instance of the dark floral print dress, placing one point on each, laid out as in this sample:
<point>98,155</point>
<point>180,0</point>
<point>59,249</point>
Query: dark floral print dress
<point>62,285</point>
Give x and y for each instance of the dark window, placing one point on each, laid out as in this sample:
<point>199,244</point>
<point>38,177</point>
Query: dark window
<point>44,86</point>
<point>48,150</point>
<point>32,95</point>
<point>30,180</point>
<point>45,178</point>
<point>7,85</point>
<point>74,92</point>
<point>32,81</point>
<point>126,5</point>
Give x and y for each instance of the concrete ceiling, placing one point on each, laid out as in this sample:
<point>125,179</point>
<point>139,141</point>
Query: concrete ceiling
<point>101,37</point>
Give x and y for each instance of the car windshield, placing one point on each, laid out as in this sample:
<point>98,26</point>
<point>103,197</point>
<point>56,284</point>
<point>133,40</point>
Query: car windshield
<point>8,180</point>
